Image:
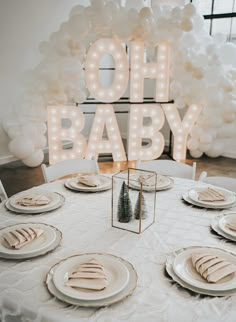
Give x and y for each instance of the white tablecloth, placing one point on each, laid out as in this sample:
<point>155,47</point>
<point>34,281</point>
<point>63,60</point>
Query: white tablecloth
<point>85,220</point>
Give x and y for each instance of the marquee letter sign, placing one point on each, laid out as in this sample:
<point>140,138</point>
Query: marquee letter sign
<point>141,70</point>
<point>145,142</point>
<point>57,133</point>
<point>181,129</point>
<point>121,78</point>
<point>138,131</point>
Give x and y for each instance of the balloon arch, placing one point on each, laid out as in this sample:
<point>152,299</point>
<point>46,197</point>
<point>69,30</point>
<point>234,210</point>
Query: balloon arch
<point>202,71</point>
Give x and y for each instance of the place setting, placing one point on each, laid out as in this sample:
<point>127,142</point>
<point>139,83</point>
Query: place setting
<point>151,182</point>
<point>203,270</point>
<point>92,279</point>
<point>210,197</point>
<point>89,183</point>
<point>28,240</point>
<point>225,225</point>
<point>34,201</point>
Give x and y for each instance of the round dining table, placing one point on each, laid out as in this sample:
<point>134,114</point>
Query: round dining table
<point>85,222</point>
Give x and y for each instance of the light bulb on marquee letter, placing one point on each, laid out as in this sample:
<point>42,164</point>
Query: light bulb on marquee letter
<point>141,70</point>
<point>57,133</point>
<point>121,77</point>
<point>181,129</point>
<point>138,131</point>
<point>105,116</point>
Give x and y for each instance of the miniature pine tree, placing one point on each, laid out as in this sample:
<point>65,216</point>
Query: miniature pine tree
<point>141,202</point>
<point>124,212</point>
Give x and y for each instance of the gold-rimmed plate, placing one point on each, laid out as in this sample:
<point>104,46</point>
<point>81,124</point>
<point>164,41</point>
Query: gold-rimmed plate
<point>39,247</point>
<point>74,184</point>
<point>36,211</point>
<point>185,285</point>
<point>124,293</point>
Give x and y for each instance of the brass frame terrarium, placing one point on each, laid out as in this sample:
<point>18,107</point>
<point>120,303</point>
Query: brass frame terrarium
<point>133,199</point>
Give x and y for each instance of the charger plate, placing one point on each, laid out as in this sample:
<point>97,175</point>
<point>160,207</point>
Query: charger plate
<point>162,183</point>
<point>194,203</point>
<point>41,246</point>
<point>124,293</point>
<point>116,272</point>
<point>75,185</point>
<point>215,227</point>
<point>230,197</point>
<point>229,218</point>
<point>177,279</point>
<point>38,210</point>
<point>52,196</point>
<point>185,270</point>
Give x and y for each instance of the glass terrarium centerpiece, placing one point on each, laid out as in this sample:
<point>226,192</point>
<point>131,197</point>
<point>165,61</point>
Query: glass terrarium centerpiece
<point>133,199</point>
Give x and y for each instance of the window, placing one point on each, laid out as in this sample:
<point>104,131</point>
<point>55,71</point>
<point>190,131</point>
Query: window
<point>220,16</point>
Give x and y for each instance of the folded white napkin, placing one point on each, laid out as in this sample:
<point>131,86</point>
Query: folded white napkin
<point>33,200</point>
<point>211,195</point>
<point>89,275</point>
<point>149,180</point>
<point>90,181</point>
<point>20,237</point>
<point>231,226</point>
<point>212,267</point>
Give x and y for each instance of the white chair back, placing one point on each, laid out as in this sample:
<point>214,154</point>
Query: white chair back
<point>67,167</point>
<point>170,168</point>
<point>3,194</point>
<point>223,182</point>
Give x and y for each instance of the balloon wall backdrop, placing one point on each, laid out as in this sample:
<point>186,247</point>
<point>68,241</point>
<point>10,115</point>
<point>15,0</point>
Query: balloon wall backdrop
<point>202,71</point>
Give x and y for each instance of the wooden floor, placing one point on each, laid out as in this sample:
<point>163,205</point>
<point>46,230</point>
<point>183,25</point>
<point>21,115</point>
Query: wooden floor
<point>19,178</point>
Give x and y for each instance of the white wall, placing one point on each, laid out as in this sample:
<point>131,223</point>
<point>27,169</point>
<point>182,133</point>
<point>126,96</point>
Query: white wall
<point>23,25</point>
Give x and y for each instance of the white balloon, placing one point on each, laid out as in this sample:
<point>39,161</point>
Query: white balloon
<point>204,147</point>
<point>35,159</point>
<point>186,24</point>
<point>228,54</point>
<point>40,142</point>
<point>14,132</point>
<point>189,10</point>
<point>229,117</point>
<point>196,153</point>
<point>180,103</point>
<point>176,13</point>
<point>206,138</point>
<point>42,128</point>
<point>21,147</point>
<point>216,150</point>
<point>193,144</point>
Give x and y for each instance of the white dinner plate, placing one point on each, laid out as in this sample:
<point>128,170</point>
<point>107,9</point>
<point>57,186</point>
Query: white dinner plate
<point>230,197</point>
<point>209,206</point>
<point>75,185</point>
<point>170,271</point>
<point>41,246</point>
<point>183,267</point>
<point>162,183</point>
<point>229,218</point>
<point>218,230</point>
<point>52,196</point>
<point>127,290</point>
<point>116,272</point>
<point>38,210</point>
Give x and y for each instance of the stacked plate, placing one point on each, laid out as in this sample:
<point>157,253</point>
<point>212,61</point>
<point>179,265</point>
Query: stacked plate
<point>13,204</point>
<point>105,183</point>
<point>162,183</point>
<point>121,276</point>
<point>179,266</point>
<point>225,225</point>
<point>45,243</point>
<point>192,197</point>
